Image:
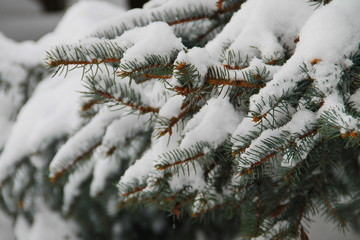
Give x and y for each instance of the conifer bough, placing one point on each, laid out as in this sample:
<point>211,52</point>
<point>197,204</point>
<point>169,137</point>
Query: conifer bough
<point>256,108</point>
<point>226,108</point>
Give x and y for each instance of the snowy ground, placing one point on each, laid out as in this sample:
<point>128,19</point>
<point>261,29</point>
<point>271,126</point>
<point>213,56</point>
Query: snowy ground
<point>22,20</point>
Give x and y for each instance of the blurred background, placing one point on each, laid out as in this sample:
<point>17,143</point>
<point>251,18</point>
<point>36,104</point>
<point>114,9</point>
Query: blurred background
<point>23,20</point>
<point>30,19</point>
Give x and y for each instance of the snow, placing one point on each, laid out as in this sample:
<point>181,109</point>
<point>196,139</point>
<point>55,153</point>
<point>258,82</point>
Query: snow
<point>153,13</point>
<point>255,65</point>
<point>199,58</point>
<point>75,25</point>
<point>211,4</point>
<point>118,133</point>
<point>212,124</point>
<point>172,108</point>
<point>12,78</point>
<point>147,41</point>
<point>260,31</point>
<point>337,24</point>
<point>301,122</point>
<point>33,53</point>
<point>52,105</point>
<point>23,19</point>
<point>47,225</point>
<point>355,100</point>
<point>254,30</point>
<point>10,49</point>
<point>21,179</point>
<point>81,18</point>
<point>85,139</point>
<point>143,166</point>
<point>54,98</point>
<point>334,103</point>
<point>140,169</point>
<point>326,80</point>
<point>72,188</point>
<point>153,93</point>
<point>246,126</point>
<point>12,73</point>
<point>103,169</point>
<point>190,177</point>
<point>125,128</point>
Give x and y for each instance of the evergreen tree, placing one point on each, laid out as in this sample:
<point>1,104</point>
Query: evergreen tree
<point>214,110</point>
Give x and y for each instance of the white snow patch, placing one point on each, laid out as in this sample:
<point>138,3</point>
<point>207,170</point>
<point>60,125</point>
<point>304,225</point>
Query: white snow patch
<point>50,114</point>
<point>212,124</point>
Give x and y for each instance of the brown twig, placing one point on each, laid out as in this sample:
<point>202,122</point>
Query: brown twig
<point>58,175</point>
<point>125,74</point>
<point>236,67</point>
<point>142,109</point>
<point>174,121</point>
<point>74,62</point>
<point>239,83</point>
<point>211,16</point>
<point>135,190</point>
<point>166,166</point>
<point>88,105</point>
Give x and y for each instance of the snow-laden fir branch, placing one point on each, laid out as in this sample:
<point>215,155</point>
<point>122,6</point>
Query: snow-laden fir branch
<point>205,109</point>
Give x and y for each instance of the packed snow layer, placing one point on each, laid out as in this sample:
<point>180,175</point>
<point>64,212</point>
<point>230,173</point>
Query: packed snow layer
<point>212,124</point>
<point>86,138</point>
<point>49,115</point>
<point>147,41</point>
<point>256,28</point>
<point>154,12</point>
<point>141,169</point>
<point>338,25</point>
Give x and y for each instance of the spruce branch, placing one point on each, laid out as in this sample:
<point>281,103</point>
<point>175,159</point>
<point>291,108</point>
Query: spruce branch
<point>273,141</point>
<point>336,123</point>
<point>331,209</point>
<point>169,165</point>
<point>172,122</point>
<point>89,105</point>
<point>177,16</point>
<point>90,52</point>
<point>57,175</point>
<point>289,146</point>
<point>179,158</point>
<point>211,15</point>
<point>153,67</point>
<point>104,89</point>
<point>237,83</point>
<point>141,109</point>
<point>134,191</point>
